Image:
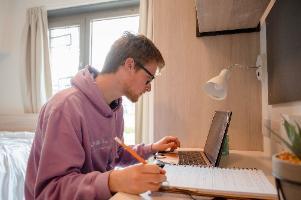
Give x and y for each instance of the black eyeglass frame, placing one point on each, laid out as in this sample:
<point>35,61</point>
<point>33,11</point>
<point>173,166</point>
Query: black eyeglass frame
<point>152,77</point>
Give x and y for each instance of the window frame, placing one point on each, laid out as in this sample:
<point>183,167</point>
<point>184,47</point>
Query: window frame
<point>84,21</point>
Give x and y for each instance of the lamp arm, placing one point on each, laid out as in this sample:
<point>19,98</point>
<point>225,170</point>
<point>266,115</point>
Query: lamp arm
<point>231,67</point>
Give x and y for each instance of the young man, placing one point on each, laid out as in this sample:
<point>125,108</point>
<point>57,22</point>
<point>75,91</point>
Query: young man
<point>74,153</point>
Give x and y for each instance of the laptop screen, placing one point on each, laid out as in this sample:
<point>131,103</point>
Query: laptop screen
<point>216,136</point>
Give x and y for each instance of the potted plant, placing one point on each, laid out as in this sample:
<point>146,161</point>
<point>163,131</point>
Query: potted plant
<point>286,166</point>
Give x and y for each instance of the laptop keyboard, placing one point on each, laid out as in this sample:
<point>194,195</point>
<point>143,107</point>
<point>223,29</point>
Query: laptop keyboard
<point>191,158</point>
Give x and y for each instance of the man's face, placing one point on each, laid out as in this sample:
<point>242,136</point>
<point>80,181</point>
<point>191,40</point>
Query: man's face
<point>140,81</point>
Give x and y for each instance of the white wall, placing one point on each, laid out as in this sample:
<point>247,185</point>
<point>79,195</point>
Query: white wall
<point>271,114</point>
<point>5,8</point>
<point>12,29</point>
<point>3,13</point>
<point>10,101</point>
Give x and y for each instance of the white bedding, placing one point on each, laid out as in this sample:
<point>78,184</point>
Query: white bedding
<point>14,152</point>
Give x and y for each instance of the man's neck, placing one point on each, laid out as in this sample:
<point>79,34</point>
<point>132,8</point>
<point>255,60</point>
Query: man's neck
<point>110,87</point>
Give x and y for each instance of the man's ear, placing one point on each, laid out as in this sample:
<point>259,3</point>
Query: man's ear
<point>129,64</point>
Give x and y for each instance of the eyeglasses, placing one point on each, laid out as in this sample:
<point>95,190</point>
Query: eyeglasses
<point>152,77</point>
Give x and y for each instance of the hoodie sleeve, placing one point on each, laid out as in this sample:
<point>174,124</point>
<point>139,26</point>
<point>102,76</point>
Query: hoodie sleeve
<point>125,158</point>
<point>62,156</point>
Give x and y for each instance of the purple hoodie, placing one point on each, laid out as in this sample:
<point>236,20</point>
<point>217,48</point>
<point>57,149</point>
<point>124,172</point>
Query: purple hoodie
<point>74,150</point>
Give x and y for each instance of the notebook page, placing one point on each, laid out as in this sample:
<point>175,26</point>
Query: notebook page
<point>219,179</point>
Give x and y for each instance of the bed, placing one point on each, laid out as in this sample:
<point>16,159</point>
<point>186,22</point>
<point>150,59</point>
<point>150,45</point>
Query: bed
<point>16,136</point>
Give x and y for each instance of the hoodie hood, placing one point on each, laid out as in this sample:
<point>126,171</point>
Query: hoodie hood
<point>85,83</point>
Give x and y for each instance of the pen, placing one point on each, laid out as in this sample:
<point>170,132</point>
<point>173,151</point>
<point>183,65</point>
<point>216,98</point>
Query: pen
<point>130,150</point>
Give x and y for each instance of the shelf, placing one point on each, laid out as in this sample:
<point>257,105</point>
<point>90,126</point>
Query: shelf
<point>218,17</point>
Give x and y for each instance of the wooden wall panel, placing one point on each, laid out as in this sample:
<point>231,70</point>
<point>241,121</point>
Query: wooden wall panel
<point>181,106</point>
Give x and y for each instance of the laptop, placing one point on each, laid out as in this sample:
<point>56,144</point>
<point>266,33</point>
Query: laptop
<point>211,154</point>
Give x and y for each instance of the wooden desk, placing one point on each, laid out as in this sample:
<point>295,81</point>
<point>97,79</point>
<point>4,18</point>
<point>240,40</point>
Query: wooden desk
<point>241,159</point>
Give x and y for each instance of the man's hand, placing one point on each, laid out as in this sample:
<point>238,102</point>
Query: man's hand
<point>165,143</point>
<point>137,179</point>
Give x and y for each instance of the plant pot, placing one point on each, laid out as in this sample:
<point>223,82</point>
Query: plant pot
<point>288,178</point>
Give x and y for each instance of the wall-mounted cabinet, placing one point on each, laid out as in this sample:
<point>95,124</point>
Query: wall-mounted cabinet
<point>217,17</point>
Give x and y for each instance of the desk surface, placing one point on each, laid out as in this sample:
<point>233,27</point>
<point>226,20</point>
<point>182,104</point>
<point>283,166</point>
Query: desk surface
<point>156,196</point>
<point>240,159</point>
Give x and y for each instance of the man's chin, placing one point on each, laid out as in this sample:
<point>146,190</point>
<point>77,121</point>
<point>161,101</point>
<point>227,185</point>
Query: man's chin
<point>133,99</point>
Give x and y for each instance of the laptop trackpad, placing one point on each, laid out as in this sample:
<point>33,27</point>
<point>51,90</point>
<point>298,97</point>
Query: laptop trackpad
<point>169,157</point>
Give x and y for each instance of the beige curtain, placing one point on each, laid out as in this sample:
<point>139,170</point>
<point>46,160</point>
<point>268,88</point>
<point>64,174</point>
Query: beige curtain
<point>37,86</point>
<point>144,115</point>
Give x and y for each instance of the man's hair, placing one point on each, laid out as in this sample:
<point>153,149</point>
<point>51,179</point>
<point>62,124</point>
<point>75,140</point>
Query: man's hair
<point>138,47</point>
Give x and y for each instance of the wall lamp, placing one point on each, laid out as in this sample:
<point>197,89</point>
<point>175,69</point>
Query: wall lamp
<point>217,86</point>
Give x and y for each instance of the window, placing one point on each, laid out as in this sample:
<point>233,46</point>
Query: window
<point>84,37</point>
<point>105,32</point>
<point>64,55</point>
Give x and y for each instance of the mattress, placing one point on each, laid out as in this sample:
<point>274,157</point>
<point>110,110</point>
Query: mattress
<point>14,151</point>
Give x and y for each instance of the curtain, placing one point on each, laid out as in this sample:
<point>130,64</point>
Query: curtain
<point>37,86</point>
<point>144,110</point>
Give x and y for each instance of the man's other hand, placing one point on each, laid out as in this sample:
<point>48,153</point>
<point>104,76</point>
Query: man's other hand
<point>168,142</point>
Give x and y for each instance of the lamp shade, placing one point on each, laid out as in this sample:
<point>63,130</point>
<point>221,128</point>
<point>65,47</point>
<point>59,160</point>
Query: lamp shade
<point>216,87</point>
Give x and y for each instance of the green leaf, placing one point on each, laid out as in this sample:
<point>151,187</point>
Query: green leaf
<point>294,137</point>
<point>296,145</point>
<point>299,129</point>
<point>290,131</point>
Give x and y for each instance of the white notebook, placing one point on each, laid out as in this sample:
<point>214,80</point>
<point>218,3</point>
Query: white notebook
<point>213,181</point>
